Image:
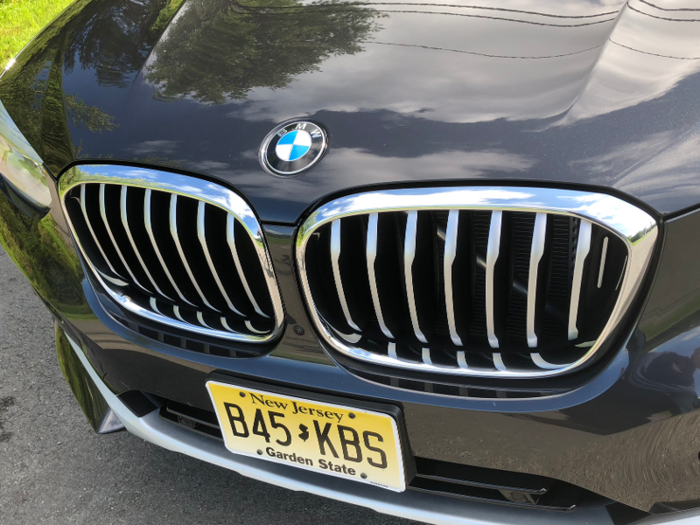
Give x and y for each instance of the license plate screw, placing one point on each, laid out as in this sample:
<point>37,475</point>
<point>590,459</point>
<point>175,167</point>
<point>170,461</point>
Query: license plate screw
<point>242,394</point>
<point>259,452</point>
<point>363,475</point>
<point>352,416</point>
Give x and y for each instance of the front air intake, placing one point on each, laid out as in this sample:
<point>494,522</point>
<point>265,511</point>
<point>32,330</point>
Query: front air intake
<point>491,282</point>
<point>177,251</point>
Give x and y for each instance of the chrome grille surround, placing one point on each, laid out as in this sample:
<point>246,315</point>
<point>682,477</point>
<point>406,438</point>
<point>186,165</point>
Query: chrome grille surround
<point>154,304</point>
<point>636,230</point>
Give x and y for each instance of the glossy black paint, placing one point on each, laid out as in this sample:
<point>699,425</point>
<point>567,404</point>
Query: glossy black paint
<point>610,116</point>
<point>575,92</point>
<point>81,384</point>
<point>618,434</point>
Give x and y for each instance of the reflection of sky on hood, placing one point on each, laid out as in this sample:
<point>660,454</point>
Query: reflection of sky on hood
<point>629,62</point>
<point>644,59</point>
<point>558,7</point>
<point>644,168</point>
<point>552,57</point>
<point>480,85</point>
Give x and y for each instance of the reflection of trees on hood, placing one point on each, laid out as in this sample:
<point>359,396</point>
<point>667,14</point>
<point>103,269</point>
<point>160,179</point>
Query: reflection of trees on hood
<point>116,42</point>
<point>221,49</point>
<point>112,38</point>
<point>90,117</point>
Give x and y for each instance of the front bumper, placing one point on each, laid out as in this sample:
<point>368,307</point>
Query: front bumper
<point>410,505</point>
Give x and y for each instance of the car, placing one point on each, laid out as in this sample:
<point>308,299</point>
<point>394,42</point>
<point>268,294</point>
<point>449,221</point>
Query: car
<point>438,260</point>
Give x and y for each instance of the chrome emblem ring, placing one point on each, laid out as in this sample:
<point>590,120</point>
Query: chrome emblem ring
<point>293,148</point>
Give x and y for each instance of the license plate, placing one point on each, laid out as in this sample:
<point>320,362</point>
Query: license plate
<point>346,442</point>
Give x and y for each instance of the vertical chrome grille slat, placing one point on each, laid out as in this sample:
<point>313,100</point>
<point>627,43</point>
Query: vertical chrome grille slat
<point>603,256</point>
<point>201,234</point>
<point>350,338</point>
<point>152,237</point>
<point>462,360</point>
<point>536,252</point>
<point>391,350</point>
<point>583,246</point>
<point>409,256</point>
<point>225,324</point>
<point>498,362</point>
<point>449,259</point>
<point>200,319</point>
<point>250,327</point>
<point>622,274</point>
<point>181,253</point>
<point>176,311</point>
<point>154,305</point>
<point>335,261</point>
<point>231,240</point>
<point>372,240</point>
<point>542,363</point>
<point>125,224</point>
<point>103,214</point>
<point>492,253</point>
<point>83,207</point>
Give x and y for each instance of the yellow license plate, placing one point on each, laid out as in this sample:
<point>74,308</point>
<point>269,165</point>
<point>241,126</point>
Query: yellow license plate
<point>346,442</point>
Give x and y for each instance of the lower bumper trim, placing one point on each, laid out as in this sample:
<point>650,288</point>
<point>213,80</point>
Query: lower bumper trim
<point>110,423</point>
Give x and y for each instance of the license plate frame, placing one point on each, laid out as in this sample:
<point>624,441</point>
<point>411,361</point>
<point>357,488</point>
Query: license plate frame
<point>392,412</point>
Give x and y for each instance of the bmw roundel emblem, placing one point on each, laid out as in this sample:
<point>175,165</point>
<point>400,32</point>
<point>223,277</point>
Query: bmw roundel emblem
<point>293,147</point>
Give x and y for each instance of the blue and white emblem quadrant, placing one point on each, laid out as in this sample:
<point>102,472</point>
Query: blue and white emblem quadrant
<point>293,146</point>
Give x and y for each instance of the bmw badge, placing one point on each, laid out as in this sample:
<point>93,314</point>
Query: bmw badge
<point>293,147</point>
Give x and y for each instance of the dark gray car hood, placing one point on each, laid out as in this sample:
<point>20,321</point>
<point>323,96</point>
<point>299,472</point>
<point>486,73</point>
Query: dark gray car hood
<point>567,92</point>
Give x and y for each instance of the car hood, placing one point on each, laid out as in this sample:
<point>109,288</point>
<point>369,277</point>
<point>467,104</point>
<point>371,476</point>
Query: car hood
<point>569,92</point>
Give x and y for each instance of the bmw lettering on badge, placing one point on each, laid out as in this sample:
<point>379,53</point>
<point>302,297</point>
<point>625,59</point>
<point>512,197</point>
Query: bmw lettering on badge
<point>292,148</point>
<point>346,442</point>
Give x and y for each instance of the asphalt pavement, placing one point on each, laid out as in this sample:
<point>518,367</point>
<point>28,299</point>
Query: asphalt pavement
<point>55,470</point>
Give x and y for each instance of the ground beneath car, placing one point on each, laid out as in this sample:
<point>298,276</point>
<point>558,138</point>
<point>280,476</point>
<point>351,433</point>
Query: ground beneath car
<point>54,469</point>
